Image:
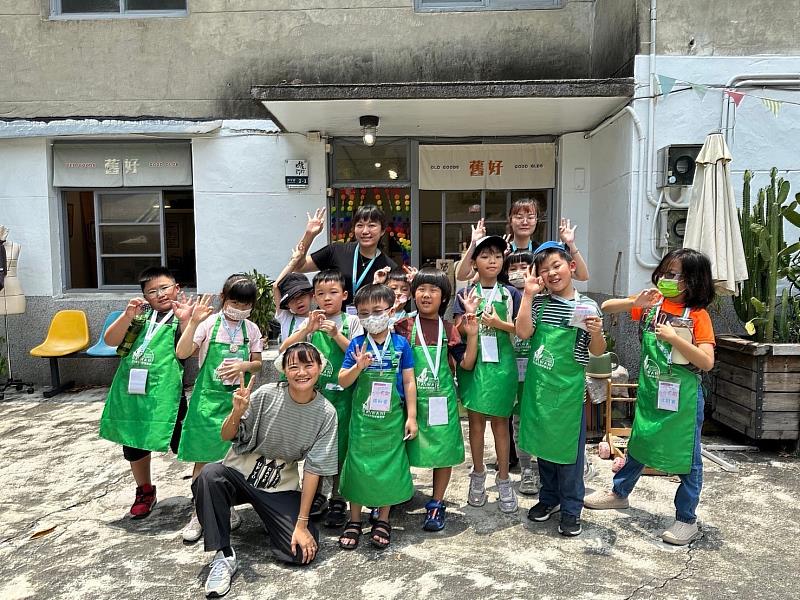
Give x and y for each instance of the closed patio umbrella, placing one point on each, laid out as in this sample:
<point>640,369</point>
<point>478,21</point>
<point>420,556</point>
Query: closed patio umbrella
<point>712,223</point>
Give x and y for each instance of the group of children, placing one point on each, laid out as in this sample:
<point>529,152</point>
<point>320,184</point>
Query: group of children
<point>517,347</point>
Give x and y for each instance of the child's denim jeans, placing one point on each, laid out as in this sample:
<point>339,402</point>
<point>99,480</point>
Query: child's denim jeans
<point>688,495</point>
<point>563,484</point>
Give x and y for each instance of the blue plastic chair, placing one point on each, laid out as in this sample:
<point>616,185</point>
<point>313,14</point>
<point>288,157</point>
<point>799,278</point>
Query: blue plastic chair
<point>100,348</point>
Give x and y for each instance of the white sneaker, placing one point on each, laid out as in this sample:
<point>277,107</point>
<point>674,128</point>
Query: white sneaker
<point>236,520</point>
<point>507,499</point>
<point>222,571</point>
<point>193,530</point>
<point>680,533</point>
<point>477,488</point>
<point>529,485</point>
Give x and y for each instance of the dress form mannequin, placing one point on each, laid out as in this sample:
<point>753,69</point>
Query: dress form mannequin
<point>12,298</point>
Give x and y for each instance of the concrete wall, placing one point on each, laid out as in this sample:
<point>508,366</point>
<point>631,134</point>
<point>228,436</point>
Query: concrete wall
<point>245,217</point>
<point>615,38</point>
<point>203,65</point>
<point>722,27</point>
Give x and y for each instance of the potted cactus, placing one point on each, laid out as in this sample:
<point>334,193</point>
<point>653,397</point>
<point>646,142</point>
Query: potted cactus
<point>757,379</point>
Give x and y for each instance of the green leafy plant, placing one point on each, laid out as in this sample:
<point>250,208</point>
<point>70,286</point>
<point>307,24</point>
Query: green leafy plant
<point>264,308</point>
<point>768,316</point>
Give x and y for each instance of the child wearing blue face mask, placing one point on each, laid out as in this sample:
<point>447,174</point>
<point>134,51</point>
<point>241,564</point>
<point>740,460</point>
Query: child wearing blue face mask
<point>376,471</point>
<point>677,345</point>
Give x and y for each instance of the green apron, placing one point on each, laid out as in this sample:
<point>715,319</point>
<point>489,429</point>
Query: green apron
<point>663,439</point>
<point>522,350</point>
<point>211,403</point>
<point>146,421</point>
<point>435,445</point>
<point>376,470</point>
<point>329,382</point>
<point>552,403</point>
<point>490,388</point>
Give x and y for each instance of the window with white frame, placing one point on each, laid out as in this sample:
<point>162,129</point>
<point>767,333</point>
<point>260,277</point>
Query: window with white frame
<point>470,5</point>
<point>117,8</point>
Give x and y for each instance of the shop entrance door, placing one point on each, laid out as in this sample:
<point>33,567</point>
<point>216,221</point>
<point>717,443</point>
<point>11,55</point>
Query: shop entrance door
<point>446,218</point>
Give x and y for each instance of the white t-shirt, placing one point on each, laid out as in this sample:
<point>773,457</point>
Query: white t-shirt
<point>284,317</point>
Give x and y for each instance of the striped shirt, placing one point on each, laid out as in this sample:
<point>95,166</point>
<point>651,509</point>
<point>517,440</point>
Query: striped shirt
<point>558,312</point>
<point>275,426</point>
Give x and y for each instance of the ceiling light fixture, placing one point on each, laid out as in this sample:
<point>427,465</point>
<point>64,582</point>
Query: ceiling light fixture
<point>369,127</point>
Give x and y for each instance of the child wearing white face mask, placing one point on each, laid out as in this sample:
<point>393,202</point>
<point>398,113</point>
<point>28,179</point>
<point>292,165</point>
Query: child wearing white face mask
<point>228,346</point>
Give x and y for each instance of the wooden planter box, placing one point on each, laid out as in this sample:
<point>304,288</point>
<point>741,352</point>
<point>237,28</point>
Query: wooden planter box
<point>756,388</point>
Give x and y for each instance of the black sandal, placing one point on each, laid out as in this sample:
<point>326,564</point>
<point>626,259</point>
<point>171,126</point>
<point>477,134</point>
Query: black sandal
<point>337,514</point>
<point>352,531</point>
<point>381,529</point>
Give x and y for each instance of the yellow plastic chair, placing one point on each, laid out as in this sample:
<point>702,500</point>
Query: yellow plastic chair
<point>68,334</point>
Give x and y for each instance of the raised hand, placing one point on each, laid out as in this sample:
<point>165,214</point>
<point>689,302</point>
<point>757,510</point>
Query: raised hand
<point>411,272</point>
<point>470,324</point>
<point>533,283</point>
<point>508,238</point>
<point>315,319</point>
<point>381,275</point>
<point>201,310</point>
<point>470,301</point>
<point>363,358</point>
<point>241,397</point>
<point>316,223</point>
<point>566,232</point>
<point>329,327</point>
<point>647,298</point>
<point>134,307</point>
<point>478,232</point>
<point>298,252</point>
<point>183,307</point>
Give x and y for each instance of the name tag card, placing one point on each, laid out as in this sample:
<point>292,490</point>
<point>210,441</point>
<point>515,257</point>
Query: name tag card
<point>489,353</point>
<point>226,363</point>
<point>668,395</point>
<point>351,310</point>
<point>137,381</point>
<point>522,369</point>
<point>582,311</point>
<point>437,410</point>
<point>380,398</point>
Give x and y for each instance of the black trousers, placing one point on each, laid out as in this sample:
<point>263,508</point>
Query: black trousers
<point>218,487</point>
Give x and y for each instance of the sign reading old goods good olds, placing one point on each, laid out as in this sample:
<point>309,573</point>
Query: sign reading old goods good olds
<point>118,165</point>
<point>487,166</point>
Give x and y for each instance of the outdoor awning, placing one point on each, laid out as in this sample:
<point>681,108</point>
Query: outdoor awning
<point>448,109</point>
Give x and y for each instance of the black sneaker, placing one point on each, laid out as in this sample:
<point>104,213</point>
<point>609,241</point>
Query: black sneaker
<point>541,511</point>
<point>318,506</point>
<point>570,525</point>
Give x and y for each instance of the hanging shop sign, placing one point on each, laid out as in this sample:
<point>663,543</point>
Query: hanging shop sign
<point>122,165</point>
<point>487,167</point>
<point>296,173</point>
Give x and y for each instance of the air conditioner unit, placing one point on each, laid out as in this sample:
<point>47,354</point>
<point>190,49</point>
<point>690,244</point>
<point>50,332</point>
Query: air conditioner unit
<point>671,228</point>
<point>676,164</point>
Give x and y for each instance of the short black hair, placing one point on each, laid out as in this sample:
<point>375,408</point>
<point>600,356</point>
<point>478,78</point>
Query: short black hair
<point>330,276</point>
<point>304,351</point>
<point>540,257</point>
<point>239,288</point>
<point>369,212</point>
<point>696,272</point>
<point>374,292</point>
<point>437,277</point>
<point>496,242</point>
<point>515,258</point>
<point>151,273</point>
<point>397,274</point>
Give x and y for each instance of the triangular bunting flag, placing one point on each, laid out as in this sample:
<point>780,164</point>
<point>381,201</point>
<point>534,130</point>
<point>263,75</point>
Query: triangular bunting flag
<point>737,97</point>
<point>773,106</point>
<point>700,90</point>
<point>666,84</point>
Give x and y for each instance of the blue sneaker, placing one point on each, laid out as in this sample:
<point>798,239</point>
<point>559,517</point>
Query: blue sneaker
<point>434,520</point>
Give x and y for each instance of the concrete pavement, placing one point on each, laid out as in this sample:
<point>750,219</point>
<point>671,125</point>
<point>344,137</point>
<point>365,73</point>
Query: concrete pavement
<point>64,533</point>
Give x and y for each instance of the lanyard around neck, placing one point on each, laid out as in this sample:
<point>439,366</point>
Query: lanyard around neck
<point>232,331</point>
<point>387,344</point>
<point>514,246</point>
<point>152,329</point>
<point>357,282</point>
<point>490,299</point>
<point>434,366</point>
